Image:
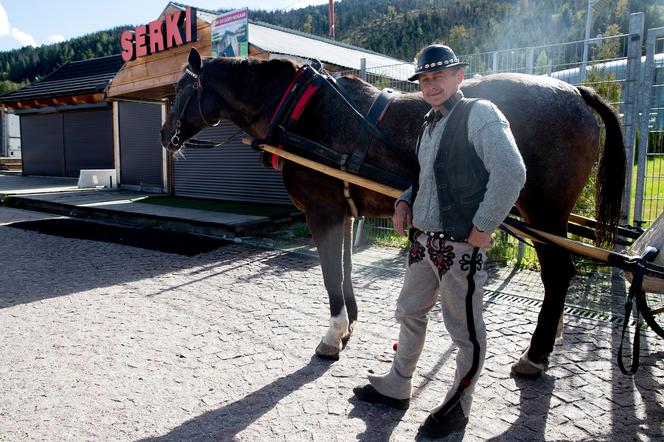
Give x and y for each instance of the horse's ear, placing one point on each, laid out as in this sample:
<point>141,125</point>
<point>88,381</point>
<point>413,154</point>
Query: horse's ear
<point>195,62</point>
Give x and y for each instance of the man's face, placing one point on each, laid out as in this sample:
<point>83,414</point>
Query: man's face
<point>440,85</point>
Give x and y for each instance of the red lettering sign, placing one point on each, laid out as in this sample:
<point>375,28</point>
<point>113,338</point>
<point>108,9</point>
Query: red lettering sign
<point>173,37</point>
<point>191,33</point>
<point>160,35</point>
<point>127,43</point>
<point>156,36</point>
<point>141,41</point>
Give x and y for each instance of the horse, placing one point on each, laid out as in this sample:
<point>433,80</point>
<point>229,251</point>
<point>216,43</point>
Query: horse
<point>556,132</point>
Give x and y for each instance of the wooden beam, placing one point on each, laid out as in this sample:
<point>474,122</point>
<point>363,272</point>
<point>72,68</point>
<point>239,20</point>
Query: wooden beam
<point>37,103</point>
<point>327,170</point>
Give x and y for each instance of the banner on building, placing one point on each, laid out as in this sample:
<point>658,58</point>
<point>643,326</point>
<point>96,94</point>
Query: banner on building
<point>230,34</point>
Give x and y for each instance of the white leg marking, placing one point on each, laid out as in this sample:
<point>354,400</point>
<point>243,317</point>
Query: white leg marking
<point>337,329</point>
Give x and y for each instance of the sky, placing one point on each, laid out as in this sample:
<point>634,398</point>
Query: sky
<point>38,22</point>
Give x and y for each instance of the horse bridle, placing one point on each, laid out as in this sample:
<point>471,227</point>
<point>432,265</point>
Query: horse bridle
<point>197,90</point>
<point>202,144</point>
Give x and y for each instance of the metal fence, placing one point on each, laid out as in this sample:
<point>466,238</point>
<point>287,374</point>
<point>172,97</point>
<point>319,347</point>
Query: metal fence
<point>615,68</point>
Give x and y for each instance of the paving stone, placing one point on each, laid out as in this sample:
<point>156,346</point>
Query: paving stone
<point>107,342</point>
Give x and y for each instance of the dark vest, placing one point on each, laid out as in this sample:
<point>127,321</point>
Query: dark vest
<point>461,177</point>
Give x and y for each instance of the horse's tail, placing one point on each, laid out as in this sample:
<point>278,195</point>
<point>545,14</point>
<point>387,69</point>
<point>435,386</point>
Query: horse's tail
<point>610,181</point>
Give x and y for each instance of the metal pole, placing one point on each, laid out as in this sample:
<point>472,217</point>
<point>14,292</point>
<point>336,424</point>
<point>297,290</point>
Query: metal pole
<point>495,61</point>
<point>359,232</point>
<point>363,69</point>
<point>530,60</point>
<point>589,23</point>
<point>648,79</point>
<point>630,110</point>
<point>4,147</point>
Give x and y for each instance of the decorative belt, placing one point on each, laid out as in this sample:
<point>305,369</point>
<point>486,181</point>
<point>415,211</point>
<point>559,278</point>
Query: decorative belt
<point>413,233</point>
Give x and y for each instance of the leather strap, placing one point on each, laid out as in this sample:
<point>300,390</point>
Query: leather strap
<point>375,115</point>
<point>635,290</point>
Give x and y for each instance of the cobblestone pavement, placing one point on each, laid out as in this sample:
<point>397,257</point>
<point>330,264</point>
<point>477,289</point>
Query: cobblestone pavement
<point>108,342</point>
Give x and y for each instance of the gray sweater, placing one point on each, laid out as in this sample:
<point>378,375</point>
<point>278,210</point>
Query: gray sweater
<point>489,132</point>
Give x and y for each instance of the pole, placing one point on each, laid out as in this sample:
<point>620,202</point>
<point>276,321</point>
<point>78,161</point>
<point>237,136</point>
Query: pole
<point>332,36</point>
<point>589,23</point>
<point>630,108</point>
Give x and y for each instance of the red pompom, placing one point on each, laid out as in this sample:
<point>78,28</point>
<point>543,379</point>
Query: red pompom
<point>394,347</point>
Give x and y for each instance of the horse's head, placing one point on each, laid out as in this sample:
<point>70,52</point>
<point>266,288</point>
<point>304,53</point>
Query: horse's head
<point>192,109</point>
<point>244,91</point>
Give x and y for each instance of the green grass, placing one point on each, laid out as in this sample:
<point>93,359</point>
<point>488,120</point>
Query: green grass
<point>653,190</point>
<point>239,208</point>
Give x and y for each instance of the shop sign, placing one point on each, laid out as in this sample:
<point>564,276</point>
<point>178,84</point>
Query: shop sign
<point>229,34</point>
<point>174,30</point>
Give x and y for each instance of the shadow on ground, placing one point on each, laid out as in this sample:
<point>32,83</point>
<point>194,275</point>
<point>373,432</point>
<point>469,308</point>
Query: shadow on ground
<point>226,422</point>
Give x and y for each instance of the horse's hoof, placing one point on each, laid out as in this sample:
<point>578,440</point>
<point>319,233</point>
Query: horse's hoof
<point>526,368</point>
<point>325,351</point>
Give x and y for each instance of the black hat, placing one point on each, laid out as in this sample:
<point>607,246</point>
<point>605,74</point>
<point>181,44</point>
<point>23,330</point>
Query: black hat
<point>434,58</point>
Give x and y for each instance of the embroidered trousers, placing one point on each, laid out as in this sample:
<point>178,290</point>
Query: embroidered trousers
<point>455,272</point>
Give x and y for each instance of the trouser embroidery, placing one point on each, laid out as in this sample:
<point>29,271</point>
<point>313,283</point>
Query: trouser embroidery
<point>441,254</point>
<point>416,253</point>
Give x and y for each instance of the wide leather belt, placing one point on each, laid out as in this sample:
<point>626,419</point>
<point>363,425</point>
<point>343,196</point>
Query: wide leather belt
<point>413,233</point>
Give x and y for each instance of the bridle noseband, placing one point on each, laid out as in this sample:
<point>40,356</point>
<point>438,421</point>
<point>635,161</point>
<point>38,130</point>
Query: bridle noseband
<point>197,90</point>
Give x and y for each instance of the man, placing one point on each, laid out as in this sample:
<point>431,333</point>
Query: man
<point>470,176</point>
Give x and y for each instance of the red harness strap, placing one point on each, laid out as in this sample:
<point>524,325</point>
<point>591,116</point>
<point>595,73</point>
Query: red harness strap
<point>288,90</point>
<point>298,108</point>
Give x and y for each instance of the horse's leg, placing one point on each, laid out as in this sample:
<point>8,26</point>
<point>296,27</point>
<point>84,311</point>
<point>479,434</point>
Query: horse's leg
<point>349,296</point>
<point>557,272</point>
<point>327,228</point>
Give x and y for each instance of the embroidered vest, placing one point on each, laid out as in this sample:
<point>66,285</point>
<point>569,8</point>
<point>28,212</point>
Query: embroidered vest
<point>460,175</point>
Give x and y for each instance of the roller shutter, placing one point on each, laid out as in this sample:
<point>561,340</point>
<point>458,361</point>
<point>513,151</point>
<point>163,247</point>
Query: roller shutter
<point>140,147</point>
<point>232,172</point>
<point>88,139</point>
<point>43,145</point>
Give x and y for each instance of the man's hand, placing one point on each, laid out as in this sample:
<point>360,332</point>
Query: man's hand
<point>478,239</point>
<point>403,216</point>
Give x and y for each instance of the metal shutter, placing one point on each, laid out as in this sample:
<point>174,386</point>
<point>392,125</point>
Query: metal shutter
<point>88,139</point>
<point>42,144</point>
<point>232,172</point>
<point>140,147</point>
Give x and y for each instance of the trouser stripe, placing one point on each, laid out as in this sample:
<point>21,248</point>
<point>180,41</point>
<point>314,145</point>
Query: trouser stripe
<point>472,335</point>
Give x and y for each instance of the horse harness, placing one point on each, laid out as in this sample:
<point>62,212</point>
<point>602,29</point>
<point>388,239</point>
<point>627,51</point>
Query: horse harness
<point>306,82</point>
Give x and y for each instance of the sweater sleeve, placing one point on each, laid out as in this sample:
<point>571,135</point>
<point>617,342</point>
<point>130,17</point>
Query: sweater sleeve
<point>489,131</point>
<point>406,196</point>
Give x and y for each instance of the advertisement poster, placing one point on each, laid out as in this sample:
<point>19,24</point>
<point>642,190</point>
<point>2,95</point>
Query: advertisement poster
<point>230,34</point>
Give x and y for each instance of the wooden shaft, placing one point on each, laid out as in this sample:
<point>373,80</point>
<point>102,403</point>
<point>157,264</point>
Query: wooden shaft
<point>327,170</point>
<point>573,246</point>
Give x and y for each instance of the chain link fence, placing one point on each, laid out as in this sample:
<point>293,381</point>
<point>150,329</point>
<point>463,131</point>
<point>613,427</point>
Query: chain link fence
<point>615,68</point>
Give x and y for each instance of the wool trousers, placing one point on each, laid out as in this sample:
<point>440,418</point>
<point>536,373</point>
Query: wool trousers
<point>455,272</point>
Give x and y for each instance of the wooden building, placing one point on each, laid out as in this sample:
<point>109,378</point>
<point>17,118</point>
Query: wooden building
<point>66,123</point>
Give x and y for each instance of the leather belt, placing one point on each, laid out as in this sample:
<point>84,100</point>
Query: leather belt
<point>413,233</point>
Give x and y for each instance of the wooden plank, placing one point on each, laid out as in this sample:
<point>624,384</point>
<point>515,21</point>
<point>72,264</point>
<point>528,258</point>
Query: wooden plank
<point>353,179</point>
